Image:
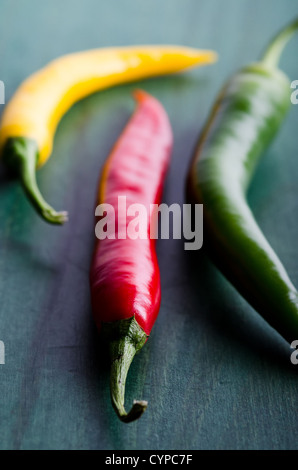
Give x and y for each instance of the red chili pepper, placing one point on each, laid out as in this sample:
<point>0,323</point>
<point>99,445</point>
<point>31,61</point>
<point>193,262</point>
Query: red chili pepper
<point>124,277</point>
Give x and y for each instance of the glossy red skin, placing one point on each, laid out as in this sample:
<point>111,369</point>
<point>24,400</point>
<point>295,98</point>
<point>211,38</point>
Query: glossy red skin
<point>124,276</point>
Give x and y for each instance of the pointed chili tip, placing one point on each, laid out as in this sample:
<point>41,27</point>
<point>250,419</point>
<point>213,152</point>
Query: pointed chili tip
<point>199,57</point>
<point>140,95</point>
<point>208,57</point>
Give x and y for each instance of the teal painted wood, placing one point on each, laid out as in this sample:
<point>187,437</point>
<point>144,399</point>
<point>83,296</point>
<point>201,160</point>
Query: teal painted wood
<point>215,375</point>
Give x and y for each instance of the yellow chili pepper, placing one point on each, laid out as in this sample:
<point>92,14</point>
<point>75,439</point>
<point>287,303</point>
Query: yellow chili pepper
<point>31,117</point>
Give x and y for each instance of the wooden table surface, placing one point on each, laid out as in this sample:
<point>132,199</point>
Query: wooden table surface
<point>215,374</point>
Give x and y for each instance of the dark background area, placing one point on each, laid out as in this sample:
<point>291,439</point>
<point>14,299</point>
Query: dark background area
<point>215,374</point>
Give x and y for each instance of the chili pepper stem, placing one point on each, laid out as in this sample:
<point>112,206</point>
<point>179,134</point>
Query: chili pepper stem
<point>125,338</point>
<point>20,155</point>
<point>274,50</point>
<point>124,352</point>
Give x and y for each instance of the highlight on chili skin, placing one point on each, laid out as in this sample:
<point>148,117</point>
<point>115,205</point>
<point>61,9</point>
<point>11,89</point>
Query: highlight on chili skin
<point>136,221</point>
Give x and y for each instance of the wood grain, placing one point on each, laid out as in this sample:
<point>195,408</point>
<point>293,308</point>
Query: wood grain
<point>215,375</point>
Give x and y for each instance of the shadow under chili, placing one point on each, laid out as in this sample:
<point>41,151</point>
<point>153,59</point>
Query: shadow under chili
<point>242,326</point>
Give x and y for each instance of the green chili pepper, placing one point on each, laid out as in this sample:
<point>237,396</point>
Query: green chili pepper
<point>245,118</point>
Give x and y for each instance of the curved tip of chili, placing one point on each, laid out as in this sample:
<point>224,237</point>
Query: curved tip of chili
<point>135,413</point>
<point>204,56</point>
<point>210,57</point>
<point>126,338</point>
<point>53,217</point>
